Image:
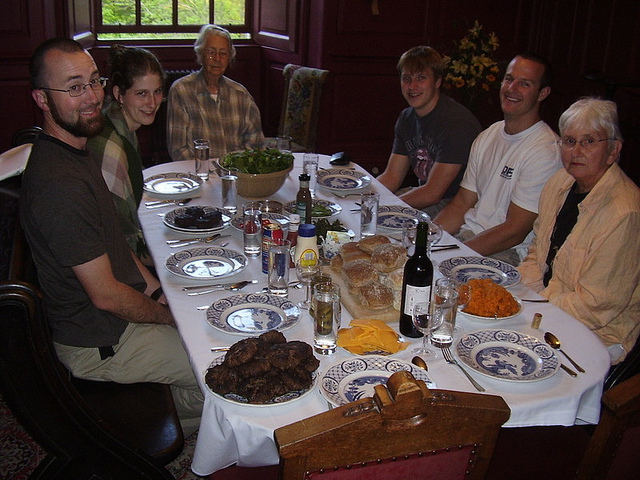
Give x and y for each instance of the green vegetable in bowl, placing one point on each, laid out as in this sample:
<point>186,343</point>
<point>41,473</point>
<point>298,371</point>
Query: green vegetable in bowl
<point>258,160</point>
<point>323,226</point>
<point>321,211</point>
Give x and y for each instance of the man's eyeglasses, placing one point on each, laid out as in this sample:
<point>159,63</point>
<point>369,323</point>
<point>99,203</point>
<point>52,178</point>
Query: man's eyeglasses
<point>212,52</point>
<point>568,143</point>
<point>78,90</point>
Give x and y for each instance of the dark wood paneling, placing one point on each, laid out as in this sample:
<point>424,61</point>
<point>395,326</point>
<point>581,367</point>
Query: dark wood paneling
<point>276,24</point>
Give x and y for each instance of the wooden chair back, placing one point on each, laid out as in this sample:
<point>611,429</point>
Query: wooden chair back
<point>37,388</point>
<point>612,452</point>
<point>404,431</point>
<point>301,105</point>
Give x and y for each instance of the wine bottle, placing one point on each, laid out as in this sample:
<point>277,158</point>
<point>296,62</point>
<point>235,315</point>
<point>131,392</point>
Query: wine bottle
<point>417,281</point>
<point>303,199</point>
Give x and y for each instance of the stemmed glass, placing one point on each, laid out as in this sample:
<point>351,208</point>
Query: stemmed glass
<point>433,237</point>
<point>305,270</point>
<point>426,322</point>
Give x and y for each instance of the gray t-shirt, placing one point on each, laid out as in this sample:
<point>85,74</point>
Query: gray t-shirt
<point>443,135</point>
<point>69,219</point>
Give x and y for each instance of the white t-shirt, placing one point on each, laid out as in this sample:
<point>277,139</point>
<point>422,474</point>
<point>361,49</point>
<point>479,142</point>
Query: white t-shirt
<point>507,168</point>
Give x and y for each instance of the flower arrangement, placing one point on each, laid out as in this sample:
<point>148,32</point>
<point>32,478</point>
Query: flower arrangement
<point>471,68</point>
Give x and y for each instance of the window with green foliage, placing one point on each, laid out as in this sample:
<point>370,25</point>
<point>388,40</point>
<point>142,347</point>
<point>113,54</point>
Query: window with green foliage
<point>169,19</point>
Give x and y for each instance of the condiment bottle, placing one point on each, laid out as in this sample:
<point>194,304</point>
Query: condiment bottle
<point>417,281</point>
<point>303,199</point>
<point>307,245</point>
<point>292,235</point>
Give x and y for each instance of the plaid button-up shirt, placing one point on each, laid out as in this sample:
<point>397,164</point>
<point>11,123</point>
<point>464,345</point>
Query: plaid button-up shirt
<point>231,122</point>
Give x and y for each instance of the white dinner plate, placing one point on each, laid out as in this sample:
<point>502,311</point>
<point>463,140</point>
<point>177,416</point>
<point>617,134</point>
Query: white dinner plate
<point>283,220</point>
<point>356,377</point>
<point>252,314</point>
<point>392,217</point>
<point>240,400</point>
<point>169,220</point>
<point>334,207</point>
<point>507,355</point>
<point>206,263</point>
<point>343,179</point>
<point>172,184</point>
<point>464,269</point>
<point>479,318</point>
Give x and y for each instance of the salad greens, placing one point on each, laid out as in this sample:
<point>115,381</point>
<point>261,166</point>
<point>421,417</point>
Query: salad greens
<point>258,160</point>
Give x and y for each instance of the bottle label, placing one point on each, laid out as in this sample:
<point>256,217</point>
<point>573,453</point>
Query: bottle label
<point>415,295</point>
<point>308,257</point>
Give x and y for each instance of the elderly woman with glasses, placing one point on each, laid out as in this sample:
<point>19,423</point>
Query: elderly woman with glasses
<point>208,105</point>
<point>584,257</point>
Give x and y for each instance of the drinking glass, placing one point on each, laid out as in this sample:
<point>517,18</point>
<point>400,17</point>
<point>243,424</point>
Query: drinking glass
<point>201,147</point>
<point>445,299</point>
<point>283,143</point>
<point>369,202</point>
<point>310,167</point>
<point>229,179</point>
<point>278,276</point>
<point>409,236</point>
<point>305,270</point>
<point>425,322</point>
<point>252,230</point>
<point>326,318</point>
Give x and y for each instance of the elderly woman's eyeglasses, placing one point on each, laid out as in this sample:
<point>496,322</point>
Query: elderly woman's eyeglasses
<point>568,143</point>
<point>79,89</point>
<point>212,52</point>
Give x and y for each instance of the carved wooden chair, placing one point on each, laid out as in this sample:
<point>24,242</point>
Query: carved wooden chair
<point>404,431</point>
<point>612,452</point>
<point>301,105</point>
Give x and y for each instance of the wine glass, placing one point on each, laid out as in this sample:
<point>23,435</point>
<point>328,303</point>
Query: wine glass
<point>305,270</point>
<point>433,237</point>
<point>424,321</point>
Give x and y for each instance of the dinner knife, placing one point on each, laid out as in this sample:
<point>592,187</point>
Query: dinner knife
<point>448,247</point>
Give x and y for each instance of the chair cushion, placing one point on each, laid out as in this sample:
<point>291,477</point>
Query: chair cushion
<point>452,464</point>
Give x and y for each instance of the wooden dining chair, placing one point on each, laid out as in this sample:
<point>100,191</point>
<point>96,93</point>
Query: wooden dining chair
<point>612,452</point>
<point>301,105</point>
<point>404,431</point>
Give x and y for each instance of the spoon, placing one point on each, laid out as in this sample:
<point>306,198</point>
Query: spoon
<point>419,362</point>
<point>554,342</point>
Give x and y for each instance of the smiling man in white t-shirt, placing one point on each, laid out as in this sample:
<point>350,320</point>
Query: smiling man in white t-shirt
<point>497,203</point>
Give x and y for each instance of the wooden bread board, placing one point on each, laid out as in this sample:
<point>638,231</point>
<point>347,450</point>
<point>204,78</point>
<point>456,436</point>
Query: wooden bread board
<point>353,305</point>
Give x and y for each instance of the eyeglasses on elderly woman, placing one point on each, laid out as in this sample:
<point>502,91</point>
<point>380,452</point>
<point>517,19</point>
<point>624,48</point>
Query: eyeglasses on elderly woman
<point>568,143</point>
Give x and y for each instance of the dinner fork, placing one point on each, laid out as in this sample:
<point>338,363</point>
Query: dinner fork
<point>448,356</point>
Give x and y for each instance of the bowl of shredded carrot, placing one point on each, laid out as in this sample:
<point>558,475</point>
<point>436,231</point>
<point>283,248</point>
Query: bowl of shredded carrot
<point>490,301</point>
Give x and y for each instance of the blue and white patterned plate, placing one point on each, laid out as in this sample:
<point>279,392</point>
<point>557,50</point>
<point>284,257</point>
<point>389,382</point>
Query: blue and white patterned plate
<point>507,355</point>
<point>334,207</point>
<point>343,179</point>
<point>205,263</point>
<point>252,314</point>
<point>392,217</point>
<point>169,220</point>
<point>283,220</point>
<point>240,400</point>
<point>464,269</point>
<point>172,184</point>
<point>356,377</point>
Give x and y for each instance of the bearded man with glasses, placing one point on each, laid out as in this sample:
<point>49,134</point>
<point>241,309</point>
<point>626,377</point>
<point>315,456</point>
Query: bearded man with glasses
<point>584,255</point>
<point>208,105</point>
<point>108,317</point>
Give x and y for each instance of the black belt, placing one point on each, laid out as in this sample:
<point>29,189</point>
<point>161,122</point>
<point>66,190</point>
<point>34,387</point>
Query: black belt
<point>106,352</point>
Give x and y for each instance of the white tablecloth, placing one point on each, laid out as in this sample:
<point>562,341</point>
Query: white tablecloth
<point>231,433</point>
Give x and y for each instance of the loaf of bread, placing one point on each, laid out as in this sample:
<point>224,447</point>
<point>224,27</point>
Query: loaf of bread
<point>388,257</point>
<point>376,296</point>
<point>359,273</point>
<point>368,244</point>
